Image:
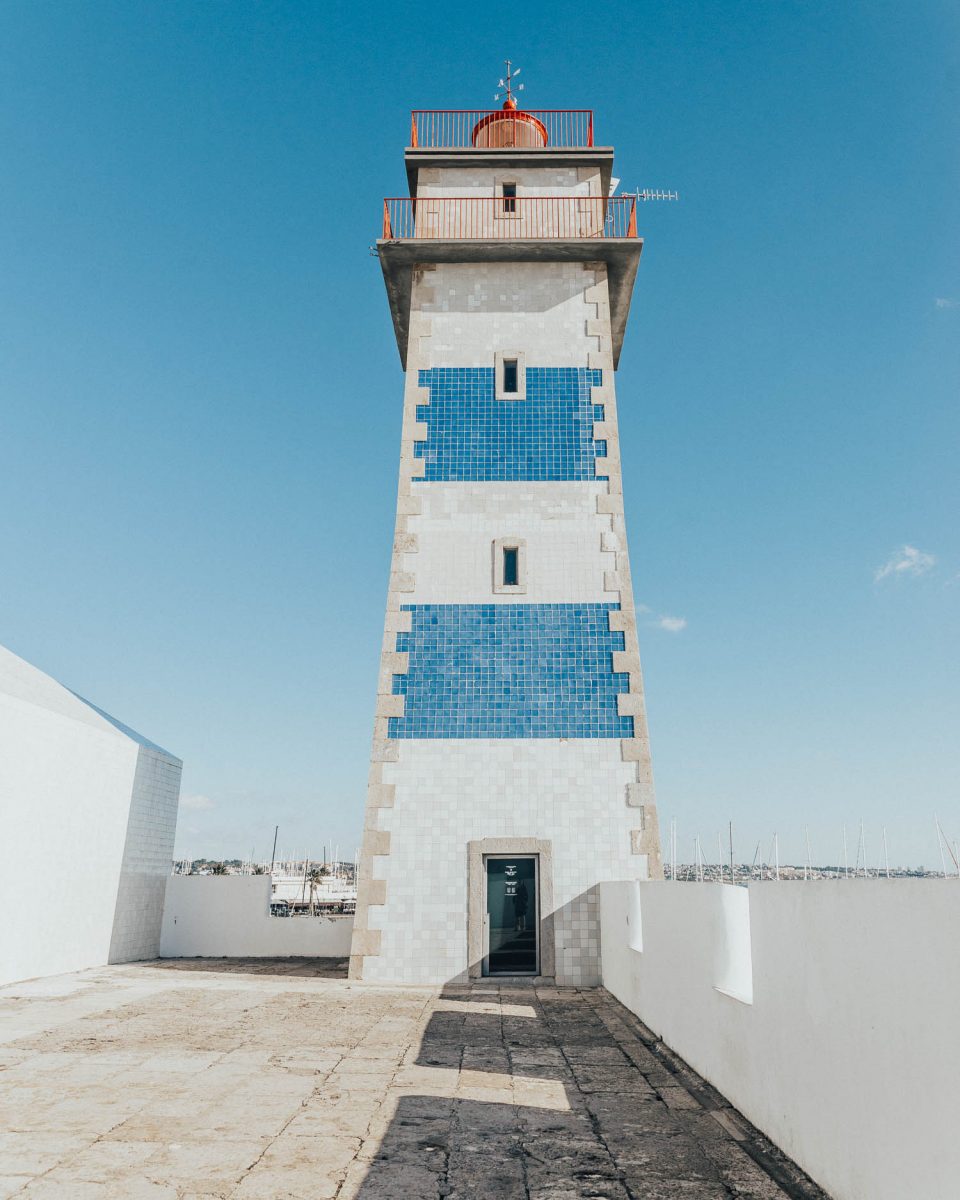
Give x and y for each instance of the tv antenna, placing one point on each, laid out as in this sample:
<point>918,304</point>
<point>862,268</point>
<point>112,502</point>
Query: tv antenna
<point>652,194</point>
<point>506,85</point>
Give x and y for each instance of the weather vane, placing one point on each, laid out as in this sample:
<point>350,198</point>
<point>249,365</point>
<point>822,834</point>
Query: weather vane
<point>506,85</point>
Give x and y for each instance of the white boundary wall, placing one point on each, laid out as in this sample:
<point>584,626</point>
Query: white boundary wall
<point>228,916</point>
<point>826,1011</point>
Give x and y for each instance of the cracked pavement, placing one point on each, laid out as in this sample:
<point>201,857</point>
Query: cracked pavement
<point>279,1078</point>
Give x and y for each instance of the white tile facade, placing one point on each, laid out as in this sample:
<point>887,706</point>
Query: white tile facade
<point>484,181</point>
<point>477,309</point>
<point>459,522</point>
<point>449,793</point>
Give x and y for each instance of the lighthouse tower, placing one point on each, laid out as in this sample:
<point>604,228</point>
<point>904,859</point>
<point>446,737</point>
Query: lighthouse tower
<point>510,771</point>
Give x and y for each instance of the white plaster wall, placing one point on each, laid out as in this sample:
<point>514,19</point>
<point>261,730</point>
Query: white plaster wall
<point>848,1056</point>
<point>574,206</point>
<point>530,181</point>
<point>65,791</point>
<point>228,916</point>
<point>448,793</point>
<point>459,522</point>
<point>479,308</point>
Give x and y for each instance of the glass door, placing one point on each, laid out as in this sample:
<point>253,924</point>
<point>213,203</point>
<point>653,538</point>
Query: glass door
<point>513,916</point>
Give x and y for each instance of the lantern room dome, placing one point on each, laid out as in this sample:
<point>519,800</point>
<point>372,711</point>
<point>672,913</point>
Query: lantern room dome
<point>510,126</point>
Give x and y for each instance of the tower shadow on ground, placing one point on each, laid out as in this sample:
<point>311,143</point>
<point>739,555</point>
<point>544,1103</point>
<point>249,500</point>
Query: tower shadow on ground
<point>523,1092</point>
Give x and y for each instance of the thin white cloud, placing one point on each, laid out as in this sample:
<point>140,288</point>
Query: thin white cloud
<point>196,802</point>
<point>908,560</point>
<point>946,302</point>
<point>672,624</point>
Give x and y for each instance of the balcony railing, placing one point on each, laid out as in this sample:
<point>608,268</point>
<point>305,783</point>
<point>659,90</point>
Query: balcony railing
<point>488,128</point>
<point>509,218</point>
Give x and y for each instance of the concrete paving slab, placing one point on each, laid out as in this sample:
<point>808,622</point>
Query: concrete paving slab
<point>281,1078</point>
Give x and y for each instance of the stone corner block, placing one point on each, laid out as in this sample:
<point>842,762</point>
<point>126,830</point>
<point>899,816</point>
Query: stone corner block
<point>395,662</point>
<point>390,706</point>
<point>640,794</point>
<point>399,622</point>
<point>365,941</point>
<point>610,504</point>
<point>629,705</point>
<point>381,795</point>
<point>402,581</point>
<point>620,620</point>
<point>612,583</point>
<point>376,841</point>
<point>385,750</point>
<point>634,750</point>
<point>625,660</point>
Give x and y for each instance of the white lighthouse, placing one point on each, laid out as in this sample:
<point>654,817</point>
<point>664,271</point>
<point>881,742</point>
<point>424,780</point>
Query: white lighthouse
<point>510,771</point>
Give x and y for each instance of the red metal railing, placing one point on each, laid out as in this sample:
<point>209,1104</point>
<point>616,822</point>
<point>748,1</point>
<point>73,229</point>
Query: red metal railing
<point>501,218</point>
<point>450,128</point>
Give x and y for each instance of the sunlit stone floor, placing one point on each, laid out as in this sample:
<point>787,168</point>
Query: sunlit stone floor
<point>281,1079</point>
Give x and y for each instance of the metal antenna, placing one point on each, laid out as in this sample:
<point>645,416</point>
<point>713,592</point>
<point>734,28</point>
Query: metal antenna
<point>506,85</point>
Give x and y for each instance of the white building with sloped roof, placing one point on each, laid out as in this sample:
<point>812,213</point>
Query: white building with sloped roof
<point>88,814</point>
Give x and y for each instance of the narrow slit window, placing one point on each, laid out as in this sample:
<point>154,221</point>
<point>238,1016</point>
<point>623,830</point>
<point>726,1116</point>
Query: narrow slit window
<point>510,198</point>
<point>511,566</point>
<point>511,376</point>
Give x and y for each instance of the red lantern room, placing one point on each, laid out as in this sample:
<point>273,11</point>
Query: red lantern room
<point>509,127</point>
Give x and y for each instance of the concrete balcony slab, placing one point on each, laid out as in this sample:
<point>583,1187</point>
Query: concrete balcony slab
<point>399,257</point>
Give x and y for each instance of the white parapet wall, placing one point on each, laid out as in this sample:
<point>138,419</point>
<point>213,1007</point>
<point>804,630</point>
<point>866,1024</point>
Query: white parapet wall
<point>825,1011</point>
<point>228,916</point>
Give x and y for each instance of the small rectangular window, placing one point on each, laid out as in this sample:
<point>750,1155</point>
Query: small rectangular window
<point>510,376</point>
<point>510,198</point>
<point>511,566</point>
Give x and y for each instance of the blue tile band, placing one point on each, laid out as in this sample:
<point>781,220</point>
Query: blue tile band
<point>510,671</point>
<point>473,436</point>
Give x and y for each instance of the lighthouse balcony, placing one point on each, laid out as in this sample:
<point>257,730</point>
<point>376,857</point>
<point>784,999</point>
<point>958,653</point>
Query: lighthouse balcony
<point>490,229</point>
<point>496,128</point>
<point>509,219</point>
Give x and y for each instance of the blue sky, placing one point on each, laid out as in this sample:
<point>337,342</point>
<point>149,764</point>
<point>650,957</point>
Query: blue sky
<point>200,391</point>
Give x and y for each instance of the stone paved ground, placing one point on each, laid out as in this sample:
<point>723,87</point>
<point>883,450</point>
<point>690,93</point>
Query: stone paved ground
<point>281,1079</point>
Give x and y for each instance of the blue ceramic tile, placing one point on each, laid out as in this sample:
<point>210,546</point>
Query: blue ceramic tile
<point>473,436</point>
<point>510,671</point>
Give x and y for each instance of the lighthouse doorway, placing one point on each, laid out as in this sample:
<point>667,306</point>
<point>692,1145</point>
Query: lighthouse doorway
<point>512,925</point>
